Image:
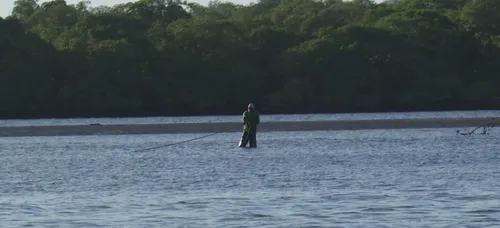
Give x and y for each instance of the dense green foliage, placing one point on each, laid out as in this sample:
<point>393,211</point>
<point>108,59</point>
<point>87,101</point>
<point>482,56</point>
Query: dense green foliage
<point>166,57</point>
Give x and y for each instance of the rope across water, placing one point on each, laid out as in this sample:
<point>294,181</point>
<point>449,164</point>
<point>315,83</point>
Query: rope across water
<point>176,143</point>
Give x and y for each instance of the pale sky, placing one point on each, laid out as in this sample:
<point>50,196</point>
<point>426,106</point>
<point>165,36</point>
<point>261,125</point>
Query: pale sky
<point>7,5</point>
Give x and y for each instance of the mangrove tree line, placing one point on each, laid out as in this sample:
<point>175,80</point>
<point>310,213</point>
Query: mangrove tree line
<point>169,57</point>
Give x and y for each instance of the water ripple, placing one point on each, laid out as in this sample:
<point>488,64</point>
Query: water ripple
<point>369,178</point>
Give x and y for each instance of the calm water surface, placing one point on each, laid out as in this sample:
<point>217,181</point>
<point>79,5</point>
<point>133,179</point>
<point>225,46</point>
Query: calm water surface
<point>264,117</point>
<point>376,178</point>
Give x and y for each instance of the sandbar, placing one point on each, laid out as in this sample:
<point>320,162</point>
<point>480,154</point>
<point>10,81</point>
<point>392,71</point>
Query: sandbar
<point>177,128</point>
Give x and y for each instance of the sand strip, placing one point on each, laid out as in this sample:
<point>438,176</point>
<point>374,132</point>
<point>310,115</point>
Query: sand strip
<point>62,130</point>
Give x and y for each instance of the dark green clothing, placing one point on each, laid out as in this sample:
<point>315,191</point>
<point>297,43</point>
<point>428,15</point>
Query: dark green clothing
<point>248,137</point>
<point>250,120</point>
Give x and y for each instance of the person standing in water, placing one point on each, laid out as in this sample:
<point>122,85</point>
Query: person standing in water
<point>251,119</point>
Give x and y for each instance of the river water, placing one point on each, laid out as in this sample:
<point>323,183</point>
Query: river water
<point>264,117</point>
<point>366,178</point>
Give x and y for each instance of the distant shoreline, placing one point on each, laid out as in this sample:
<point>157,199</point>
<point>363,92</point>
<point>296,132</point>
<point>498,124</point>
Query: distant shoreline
<point>271,116</point>
<point>269,126</point>
<point>237,118</point>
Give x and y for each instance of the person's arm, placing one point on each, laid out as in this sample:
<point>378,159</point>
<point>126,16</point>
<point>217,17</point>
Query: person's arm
<point>258,118</point>
<point>245,118</point>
